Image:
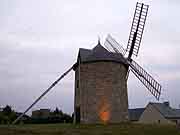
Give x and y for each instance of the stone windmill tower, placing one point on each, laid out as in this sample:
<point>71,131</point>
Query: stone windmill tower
<point>100,86</point>
<point>101,77</point>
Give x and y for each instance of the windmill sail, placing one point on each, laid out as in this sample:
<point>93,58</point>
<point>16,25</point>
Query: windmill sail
<point>151,84</point>
<point>43,94</point>
<point>134,41</point>
<point>137,29</point>
<point>113,46</point>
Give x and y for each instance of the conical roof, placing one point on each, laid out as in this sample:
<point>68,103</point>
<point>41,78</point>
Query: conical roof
<point>99,53</point>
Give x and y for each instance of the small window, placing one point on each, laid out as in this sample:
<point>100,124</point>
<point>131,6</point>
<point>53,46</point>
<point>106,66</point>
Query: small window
<point>77,85</point>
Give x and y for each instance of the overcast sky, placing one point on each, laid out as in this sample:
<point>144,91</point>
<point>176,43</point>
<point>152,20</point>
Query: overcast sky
<point>39,40</point>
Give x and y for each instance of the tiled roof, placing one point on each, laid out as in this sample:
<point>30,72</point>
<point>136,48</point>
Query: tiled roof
<point>166,110</point>
<point>134,114</point>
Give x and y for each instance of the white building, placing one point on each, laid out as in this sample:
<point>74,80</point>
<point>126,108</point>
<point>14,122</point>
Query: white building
<point>160,113</point>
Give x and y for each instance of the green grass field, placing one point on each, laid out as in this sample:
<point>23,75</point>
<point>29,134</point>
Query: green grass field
<point>68,129</point>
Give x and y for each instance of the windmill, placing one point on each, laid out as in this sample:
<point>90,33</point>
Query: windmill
<point>100,54</point>
<point>133,46</point>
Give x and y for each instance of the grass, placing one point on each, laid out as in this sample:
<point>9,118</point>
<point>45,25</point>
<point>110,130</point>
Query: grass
<point>68,129</point>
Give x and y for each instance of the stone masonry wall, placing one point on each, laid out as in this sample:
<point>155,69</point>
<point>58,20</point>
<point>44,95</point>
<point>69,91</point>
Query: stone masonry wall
<point>102,93</point>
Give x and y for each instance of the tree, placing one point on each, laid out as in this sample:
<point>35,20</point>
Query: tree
<point>7,110</point>
<point>67,118</point>
<point>58,112</point>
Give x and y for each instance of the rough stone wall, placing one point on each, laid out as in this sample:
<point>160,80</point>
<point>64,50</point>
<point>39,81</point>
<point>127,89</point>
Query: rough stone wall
<point>102,93</point>
<point>76,93</point>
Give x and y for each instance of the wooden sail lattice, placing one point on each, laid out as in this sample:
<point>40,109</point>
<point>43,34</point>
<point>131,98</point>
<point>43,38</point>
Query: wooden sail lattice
<point>149,82</point>
<point>113,46</point>
<point>137,28</point>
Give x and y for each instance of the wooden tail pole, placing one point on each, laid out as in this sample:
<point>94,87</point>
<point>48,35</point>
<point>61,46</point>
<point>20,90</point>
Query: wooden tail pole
<point>43,94</point>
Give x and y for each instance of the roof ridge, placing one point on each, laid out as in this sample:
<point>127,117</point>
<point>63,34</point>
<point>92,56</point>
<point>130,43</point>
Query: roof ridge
<point>99,46</point>
<point>85,49</point>
<point>166,111</point>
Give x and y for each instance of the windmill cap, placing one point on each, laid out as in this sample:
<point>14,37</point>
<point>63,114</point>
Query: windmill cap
<point>99,53</point>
